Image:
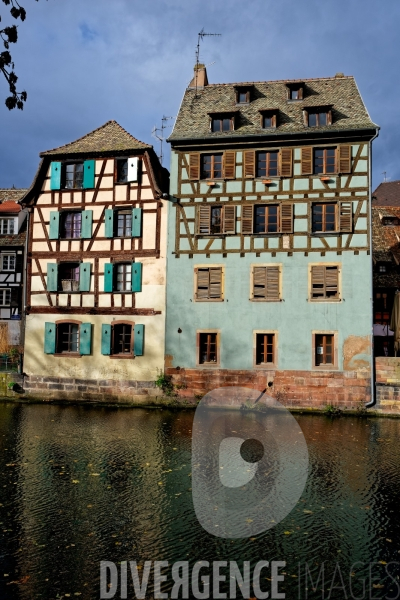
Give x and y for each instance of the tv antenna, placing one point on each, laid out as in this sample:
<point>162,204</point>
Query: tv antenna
<point>158,133</point>
<point>384,177</point>
<point>200,38</point>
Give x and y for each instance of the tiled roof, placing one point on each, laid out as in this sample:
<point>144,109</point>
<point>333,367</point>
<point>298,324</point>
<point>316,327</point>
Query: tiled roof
<point>348,110</point>
<point>110,137</point>
<point>12,194</point>
<point>387,194</point>
<point>10,207</point>
<point>386,247</point>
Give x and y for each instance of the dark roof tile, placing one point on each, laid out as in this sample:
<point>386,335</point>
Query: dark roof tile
<point>387,194</point>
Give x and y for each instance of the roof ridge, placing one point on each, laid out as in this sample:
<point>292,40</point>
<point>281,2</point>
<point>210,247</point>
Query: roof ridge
<point>283,80</point>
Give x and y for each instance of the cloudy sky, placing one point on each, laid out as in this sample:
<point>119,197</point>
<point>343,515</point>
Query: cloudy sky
<point>84,62</point>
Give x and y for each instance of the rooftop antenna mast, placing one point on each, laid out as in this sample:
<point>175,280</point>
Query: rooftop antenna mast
<point>384,177</point>
<point>200,37</point>
<point>158,133</point>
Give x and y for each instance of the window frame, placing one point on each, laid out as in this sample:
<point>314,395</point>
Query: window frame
<point>124,354</point>
<point>62,228</point>
<point>123,211</point>
<point>246,90</point>
<point>8,220</point>
<point>279,266</point>
<point>295,87</point>
<point>115,277</point>
<point>318,111</point>
<point>336,212</point>
<point>117,163</point>
<point>208,365</point>
<point>67,322</point>
<point>275,334</point>
<point>62,265</point>
<point>266,209</point>
<point>339,296</point>
<point>267,164</point>
<point>325,157</point>
<point>203,177</point>
<point>4,293</point>
<point>8,255</point>
<point>64,175</point>
<point>327,366</point>
<point>195,290</point>
<point>222,117</point>
<point>269,114</point>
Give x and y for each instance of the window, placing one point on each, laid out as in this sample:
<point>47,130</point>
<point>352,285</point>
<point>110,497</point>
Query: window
<point>124,223</point>
<point>208,283</point>
<point>71,223</point>
<point>265,283</point>
<point>8,262</point>
<point>381,309</point>
<point>216,220</point>
<point>391,221</point>
<point>266,219</point>
<point>122,339</point>
<point>268,119</point>
<point>211,166</point>
<point>208,348</point>
<point>267,164</point>
<point>243,95</point>
<point>67,338</point>
<point>121,175</point>
<point>123,277</point>
<point>382,268</point>
<point>222,123</point>
<point>265,348</point>
<point>319,118</point>
<point>7,226</point>
<point>5,297</point>
<point>295,91</point>
<point>324,217</point>
<point>324,282</point>
<point>324,349</point>
<point>324,160</point>
<point>69,274</point>
<point>73,175</point>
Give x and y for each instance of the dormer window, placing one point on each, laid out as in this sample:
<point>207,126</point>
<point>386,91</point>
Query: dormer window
<point>318,117</point>
<point>391,221</point>
<point>268,119</point>
<point>222,122</point>
<point>295,91</point>
<point>243,95</point>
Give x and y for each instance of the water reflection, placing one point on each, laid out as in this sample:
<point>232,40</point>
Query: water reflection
<point>80,485</point>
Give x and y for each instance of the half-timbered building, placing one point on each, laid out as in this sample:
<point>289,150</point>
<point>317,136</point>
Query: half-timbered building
<point>269,266</point>
<point>96,268</point>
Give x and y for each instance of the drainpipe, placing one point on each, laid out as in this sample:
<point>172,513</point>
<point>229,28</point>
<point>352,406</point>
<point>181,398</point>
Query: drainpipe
<point>372,402</point>
<point>25,279</point>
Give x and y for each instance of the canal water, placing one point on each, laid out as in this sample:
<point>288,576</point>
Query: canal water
<point>80,485</point>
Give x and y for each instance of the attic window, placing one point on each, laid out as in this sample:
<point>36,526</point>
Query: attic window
<point>222,122</point>
<point>268,119</point>
<point>243,95</point>
<point>391,221</point>
<point>318,117</point>
<point>295,91</point>
<point>382,268</point>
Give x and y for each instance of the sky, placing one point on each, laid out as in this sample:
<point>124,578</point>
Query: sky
<point>84,62</point>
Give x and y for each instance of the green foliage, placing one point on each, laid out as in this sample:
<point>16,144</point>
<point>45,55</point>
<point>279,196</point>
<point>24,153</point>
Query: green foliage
<point>164,382</point>
<point>332,411</point>
<point>11,385</point>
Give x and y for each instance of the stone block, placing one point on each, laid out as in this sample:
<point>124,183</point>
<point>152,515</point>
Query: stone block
<point>56,386</point>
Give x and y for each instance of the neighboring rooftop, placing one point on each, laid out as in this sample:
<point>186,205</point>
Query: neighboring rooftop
<point>387,194</point>
<point>13,194</point>
<point>110,137</point>
<point>386,245</point>
<point>10,207</point>
<point>340,93</point>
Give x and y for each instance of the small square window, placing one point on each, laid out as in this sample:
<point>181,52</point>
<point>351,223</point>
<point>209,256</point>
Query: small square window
<point>222,123</point>
<point>324,282</point>
<point>267,164</point>
<point>7,226</point>
<point>67,338</point>
<point>382,268</point>
<point>69,274</point>
<point>208,348</point>
<point>208,283</point>
<point>71,223</point>
<point>295,92</point>
<point>8,262</point>
<point>324,218</point>
<point>5,297</point>
<point>123,223</point>
<point>72,175</point>
<point>319,118</point>
<point>266,218</point>
<point>324,161</point>
<point>211,166</point>
<point>265,348</point>
<point>122,339</point>
<point>123,277</point>
<point>324,350</point>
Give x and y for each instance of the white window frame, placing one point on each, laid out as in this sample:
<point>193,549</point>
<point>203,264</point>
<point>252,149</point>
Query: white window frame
<point>5,293</point>
<point>7,268</point>
<point>6,221</point>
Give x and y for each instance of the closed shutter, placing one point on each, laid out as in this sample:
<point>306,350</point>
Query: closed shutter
<point>89,168</point>
<point>54,229</point>
<point>55,176</point>
<point>331,281</point>
<point>247,219</point>
<point>108,277</point>
<point>306,161</point>
<point>138,340</point>
<point>345,216</point>
<point>266,283</point>
<point>109,223</point>
<point>203,219</point>
<point>133,169</point>
<point>230,164</point>
<point>87,224</point>
<point>344,159</point>
<point>85,338</point>
<point>136,222</point>
<point>49,338</point>
<point>285,162</point>
<point>202,284</point>
<point>52,277</point>
<point>137,277</point>
<point>106,339</point>
<point>84,277</point>
<point>286,218</point>
<point>249,157</point>
<point>229,216</point>
<point>272,283</point>
<point>215,283</point>
<point>259,283</point>
<point>324,282</point>
<point>194,166</point>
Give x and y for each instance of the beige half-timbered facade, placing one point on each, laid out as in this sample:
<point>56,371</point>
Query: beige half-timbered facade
<point>96,268</point>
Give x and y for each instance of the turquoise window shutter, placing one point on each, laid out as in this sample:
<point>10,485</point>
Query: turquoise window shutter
<point>54,230</point>
<point>55,176</point>
<point>137,277</point>
<point>52,277</point>
<point>49,338</point>
<point>108,277</point>
<point>138,340</point>
<point>87,224</point>
<point>136,222</point>
<point>89,168</point>
<point>109,223</point>
<point>84,277</point>
<point>85,338</point>
<point>106,339</point>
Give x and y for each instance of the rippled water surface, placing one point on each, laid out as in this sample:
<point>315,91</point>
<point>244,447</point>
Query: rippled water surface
<point>81,485</point>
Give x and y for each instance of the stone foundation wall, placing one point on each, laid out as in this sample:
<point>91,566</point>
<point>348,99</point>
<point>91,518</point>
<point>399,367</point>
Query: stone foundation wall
<point>308,389</point>
<point>388,384</point>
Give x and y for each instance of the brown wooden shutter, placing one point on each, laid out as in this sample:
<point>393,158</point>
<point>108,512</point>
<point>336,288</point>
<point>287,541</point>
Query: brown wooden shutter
<point>286,218</point>
<point>306,161</point>
<point>317,282</point>
<point>272,283</point>
<point>230,164</point>
<point>202,284</point>
<point>249,163</point>
<point>229,219</point>
<point>285,162</point>
<point>215,283</point>
<point>259,282</point>
<point>300,94</point>
<point>194,166</point>
<point>331,281</point>
<point>203,222</point>
<point>247,219</point>
<point>329,117</point>
<point>345,216</point>
<point>344,160</point>
<point>305,118</point>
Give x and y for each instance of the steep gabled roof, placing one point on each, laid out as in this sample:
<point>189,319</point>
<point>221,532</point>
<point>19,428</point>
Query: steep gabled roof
<point>110,137</point>
<point>339,92</point>
<point>387,194</point>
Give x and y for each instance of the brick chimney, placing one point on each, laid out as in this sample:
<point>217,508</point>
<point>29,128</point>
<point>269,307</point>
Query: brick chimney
<point>200,72</point>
